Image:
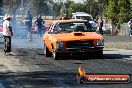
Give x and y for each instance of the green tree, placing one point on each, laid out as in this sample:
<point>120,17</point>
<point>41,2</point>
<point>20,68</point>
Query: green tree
<point>39,7</point>
<point>124,10</point>
<point>72,7</point>
<point>113,11</point>
<point>119,11</point>
<point>92,7</point>
<point>62,11</point>
<point>69,7</point>
<point>58,7</point>
<point>102,5</point>
<point>9,5</point>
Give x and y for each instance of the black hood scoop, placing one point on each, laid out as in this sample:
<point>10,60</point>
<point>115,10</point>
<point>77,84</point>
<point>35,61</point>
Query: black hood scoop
<point>78,34</point>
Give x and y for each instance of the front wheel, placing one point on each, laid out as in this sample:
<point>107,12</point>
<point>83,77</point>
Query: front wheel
<point>56,55</point>
<point>47,53</point>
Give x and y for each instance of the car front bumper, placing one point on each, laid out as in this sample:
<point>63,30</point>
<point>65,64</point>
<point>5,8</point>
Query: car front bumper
<point>80,50</point>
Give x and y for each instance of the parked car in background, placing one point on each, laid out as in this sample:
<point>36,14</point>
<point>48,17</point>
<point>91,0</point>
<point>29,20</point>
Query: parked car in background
<point>107,29</point>
<point>85,16</point>
<point>72,37</point>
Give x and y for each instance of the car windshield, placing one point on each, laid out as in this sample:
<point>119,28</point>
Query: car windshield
<point>73,27</point>
<point>88,18</point>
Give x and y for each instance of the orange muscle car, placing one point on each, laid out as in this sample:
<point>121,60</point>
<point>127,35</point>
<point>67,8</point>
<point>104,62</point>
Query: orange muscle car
<point>68,37</point>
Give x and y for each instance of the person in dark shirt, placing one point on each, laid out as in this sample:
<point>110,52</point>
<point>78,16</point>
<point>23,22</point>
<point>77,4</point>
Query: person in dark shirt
<point>40,24</point>
<point>29,24</point>
<point>100,26</point>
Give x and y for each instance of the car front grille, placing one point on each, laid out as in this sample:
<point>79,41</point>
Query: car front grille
<point>79,44</point>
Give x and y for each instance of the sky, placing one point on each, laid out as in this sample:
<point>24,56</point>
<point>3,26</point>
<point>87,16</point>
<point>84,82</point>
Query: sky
<point>76,1</point>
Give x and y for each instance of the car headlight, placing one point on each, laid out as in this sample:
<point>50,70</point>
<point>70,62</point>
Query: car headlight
<point>59,44</point>
<point>100,42</point>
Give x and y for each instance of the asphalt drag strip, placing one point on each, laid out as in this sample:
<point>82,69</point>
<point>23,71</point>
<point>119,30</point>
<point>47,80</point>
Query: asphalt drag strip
<point>27,67</point>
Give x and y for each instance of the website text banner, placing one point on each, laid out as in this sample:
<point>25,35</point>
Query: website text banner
<point>107,78</point>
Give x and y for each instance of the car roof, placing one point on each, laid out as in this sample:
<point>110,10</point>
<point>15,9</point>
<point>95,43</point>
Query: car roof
<point>71,20</point>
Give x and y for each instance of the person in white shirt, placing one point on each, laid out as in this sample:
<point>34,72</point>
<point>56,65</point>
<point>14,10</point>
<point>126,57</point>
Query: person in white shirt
<point>7,33</point>
<point>130,27</point>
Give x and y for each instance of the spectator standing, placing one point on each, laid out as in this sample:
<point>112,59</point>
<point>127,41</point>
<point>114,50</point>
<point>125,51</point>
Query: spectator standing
<point>130,26</point>
<point>7,33</point>
<point>100,26</point>
<point>29,24</point>
<point>40,25</point>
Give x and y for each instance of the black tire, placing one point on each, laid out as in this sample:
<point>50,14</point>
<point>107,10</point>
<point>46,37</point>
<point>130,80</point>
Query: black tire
<point>56,55</point>
<point>47,53</point>
<point>99,54</point>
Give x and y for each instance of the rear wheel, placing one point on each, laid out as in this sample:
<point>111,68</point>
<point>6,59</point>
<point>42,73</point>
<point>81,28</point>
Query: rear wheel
<point>47,53</point>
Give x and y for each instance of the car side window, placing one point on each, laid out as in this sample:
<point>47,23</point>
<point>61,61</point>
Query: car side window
<point>56,29</point>
<point>51,28</point>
